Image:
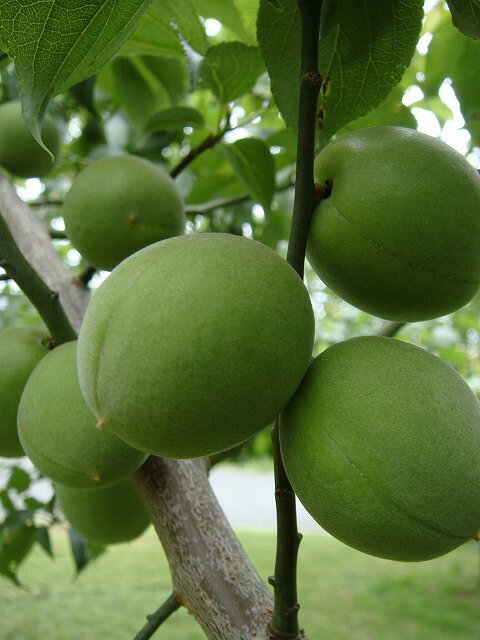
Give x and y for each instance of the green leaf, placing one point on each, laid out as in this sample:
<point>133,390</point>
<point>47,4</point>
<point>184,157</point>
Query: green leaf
<point>175,118</point>
<point>392,112</point>
<point>58,44</point>
<point>364,49</point>
<point>19,480</point>
<point>171,73</point>
<point>230,69</point>
<point>43,539</point>
<point>82,550</point>
<point>231,14</point>
<point>212,187</point>
<point>16,520</point>
<point>254,166</point>
<point>248,10</point>
<point>132,91</point>
<point>83,94</point>
<point>156,33</point>
<point>7,504</point>
<point>33,503</point>
<point>79,549</point>
<point>14,548</point>
<point>466,16</point>
<point>452,55</point>
<point>275,230</point>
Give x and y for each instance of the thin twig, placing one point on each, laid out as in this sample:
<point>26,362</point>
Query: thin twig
<point>46,301</point>
<point>86,275</point>
<point>209,142</point>
<point>211,205</point>
<point>156,619</point>
<point>57,235</point>
<point>46,203</point>
<point>284,623</point>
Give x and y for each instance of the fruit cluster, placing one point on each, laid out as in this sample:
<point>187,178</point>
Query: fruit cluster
<point>196,342</point>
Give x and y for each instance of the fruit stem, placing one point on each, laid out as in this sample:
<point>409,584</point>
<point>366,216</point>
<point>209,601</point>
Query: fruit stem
<point>284,623</point>
<point>46,302</point>
<point>170,605</point>
<point>389,329</point>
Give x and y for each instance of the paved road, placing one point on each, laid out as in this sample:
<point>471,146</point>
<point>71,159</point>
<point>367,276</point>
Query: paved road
<point>248,501</point>
<point>246,497</point>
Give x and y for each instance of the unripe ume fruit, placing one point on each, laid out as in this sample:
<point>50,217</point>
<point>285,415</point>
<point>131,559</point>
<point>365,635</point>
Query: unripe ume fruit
<point>399,235</point>
<point>21,348</point>
<point>381,443</point>
<point>106,516</point>
<point>119,205</point>
<point>20,153</point>
<point>58,432</point>
<point>194,344</point>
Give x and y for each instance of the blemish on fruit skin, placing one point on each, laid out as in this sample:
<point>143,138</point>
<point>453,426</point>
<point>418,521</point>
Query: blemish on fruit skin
<point>101,423</point>
<point>133,218</point>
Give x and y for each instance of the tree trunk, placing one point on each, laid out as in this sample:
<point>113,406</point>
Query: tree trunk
<point>212,575</point>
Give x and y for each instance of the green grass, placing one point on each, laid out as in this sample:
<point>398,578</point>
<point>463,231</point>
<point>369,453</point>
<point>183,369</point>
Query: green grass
<point>345,595</point>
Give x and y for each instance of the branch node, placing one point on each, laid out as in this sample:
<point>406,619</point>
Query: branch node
<point>314,77</point>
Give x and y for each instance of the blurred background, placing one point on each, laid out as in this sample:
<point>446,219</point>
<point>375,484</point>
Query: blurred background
<point>344,594</point>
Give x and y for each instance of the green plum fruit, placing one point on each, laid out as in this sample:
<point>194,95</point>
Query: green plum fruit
<point>57,429</point>
<point>118,205</point>
<point>381,443</point>
<point>20,153</point>
<point>194,344</point>
<point>399,234</point>
<point>21,348</point>
<point>107,515</point>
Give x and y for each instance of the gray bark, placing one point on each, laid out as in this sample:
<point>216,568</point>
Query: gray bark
<point>32,237</point>
<point>212,575</point>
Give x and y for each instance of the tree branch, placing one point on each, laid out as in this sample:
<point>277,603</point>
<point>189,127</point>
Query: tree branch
<point>284,623</point>
<point>33,241</point>
<point>57,235</point>
<point>209,142</point>
<point>44,299</point>
<point>156,619</point>
<point>46,203</point>
<point>86,275</point>
<point>210,205</point>
<point>211,573</point>
<point>285,619</point>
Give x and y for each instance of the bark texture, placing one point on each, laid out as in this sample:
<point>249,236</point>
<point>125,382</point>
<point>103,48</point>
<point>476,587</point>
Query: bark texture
<point>33,240</point>
<point>212,575</point>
